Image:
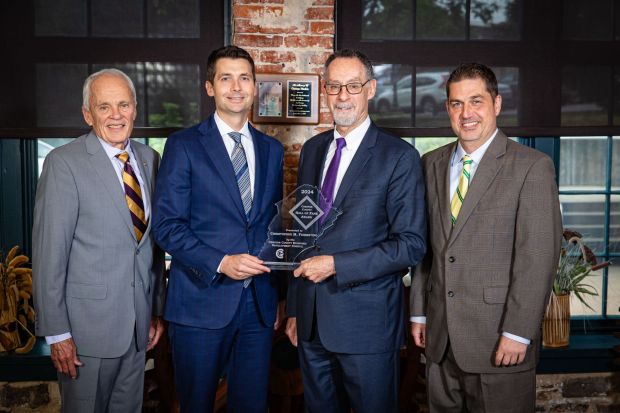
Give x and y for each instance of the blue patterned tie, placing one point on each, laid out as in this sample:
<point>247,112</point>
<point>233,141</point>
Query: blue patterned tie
<point>240,165</point>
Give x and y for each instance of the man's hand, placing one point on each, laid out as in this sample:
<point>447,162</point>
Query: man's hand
<point>280,316</point>
<point>242,266</point>
<point>316,269</point>
<point>291,330</point>
<point>64,356</point>
<point>509,352</point>
<point>156,330</point>
<point>418,331</point>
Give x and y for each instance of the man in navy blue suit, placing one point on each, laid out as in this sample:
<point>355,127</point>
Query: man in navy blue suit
<point>345,301</point>
<point>216,192</point>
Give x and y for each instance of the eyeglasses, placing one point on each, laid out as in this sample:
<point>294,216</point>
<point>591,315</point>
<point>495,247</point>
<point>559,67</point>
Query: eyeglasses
<point>353,88</point>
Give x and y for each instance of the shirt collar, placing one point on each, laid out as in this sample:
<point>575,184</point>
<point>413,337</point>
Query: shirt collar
<point>355,136</point>
<point>112,151</point>
<point>225,129</point>
<point>476,155</point>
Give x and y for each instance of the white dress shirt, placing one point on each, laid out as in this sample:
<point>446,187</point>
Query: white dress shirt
<point>353,139</point>
<point>456,169</point>
<point>112,151</point>
<point>246,141</point>
<point>248,147</point>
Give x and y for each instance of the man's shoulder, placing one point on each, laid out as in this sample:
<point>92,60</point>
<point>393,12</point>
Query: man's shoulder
<point>69,150</point>
<point>524,156</point>
<point>388,139</point>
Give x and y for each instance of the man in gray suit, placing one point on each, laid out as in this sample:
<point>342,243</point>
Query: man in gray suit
<point>98,275</point>
<point>478,298</point>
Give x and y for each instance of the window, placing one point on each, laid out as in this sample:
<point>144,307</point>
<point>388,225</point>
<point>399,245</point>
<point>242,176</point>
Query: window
<point>558,70</point>
<point>54,46</point>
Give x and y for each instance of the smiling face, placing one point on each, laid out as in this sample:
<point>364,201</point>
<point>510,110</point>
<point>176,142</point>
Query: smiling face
<point>473,112</point>
<point>349,110</point>
<point>233,90</point>
<point>111,110</point>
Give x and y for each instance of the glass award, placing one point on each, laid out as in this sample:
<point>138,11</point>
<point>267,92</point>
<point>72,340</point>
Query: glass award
<point>300,221</point>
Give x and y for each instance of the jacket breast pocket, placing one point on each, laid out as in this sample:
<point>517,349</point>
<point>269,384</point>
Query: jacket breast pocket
<point>495,295</point>
<point>87,291</point>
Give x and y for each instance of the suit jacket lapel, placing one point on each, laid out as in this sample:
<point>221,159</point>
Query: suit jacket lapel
<point>363,154</point>
<point>214,146</point>
<point>103,167</point>
<point>261,153</point>
<point>442,187</point>
<point>490,165</point>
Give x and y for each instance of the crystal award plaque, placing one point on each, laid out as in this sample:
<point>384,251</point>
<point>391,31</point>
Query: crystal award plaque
<point>300,221</point>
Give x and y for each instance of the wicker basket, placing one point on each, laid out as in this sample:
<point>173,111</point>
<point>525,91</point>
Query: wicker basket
<point>556,324</point>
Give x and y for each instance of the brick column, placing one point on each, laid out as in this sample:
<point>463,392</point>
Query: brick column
<point>286,36</point>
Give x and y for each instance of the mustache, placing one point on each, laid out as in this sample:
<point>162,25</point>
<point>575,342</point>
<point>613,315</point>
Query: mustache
<point>344,106</point>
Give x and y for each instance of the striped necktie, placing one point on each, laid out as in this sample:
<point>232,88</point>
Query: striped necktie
<point>133,196</point>
<point>461,189</point>
<point>240,165</point>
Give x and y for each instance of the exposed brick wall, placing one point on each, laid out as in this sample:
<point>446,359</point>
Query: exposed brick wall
<point>587,393</point>
<point>286,36</point>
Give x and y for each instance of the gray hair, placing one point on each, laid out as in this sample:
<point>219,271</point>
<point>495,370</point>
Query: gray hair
<point>351,54</point>
<point>112,72</point>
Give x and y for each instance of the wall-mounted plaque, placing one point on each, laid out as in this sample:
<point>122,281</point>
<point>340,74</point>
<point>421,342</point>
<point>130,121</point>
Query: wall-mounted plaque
<point>286,98</point>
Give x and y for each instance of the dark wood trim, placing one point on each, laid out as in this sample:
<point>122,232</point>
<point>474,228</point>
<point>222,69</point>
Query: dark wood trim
<point>12,133</point>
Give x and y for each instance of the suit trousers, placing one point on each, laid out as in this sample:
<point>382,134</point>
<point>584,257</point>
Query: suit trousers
<point>337,382</point>
<point>452,390</point>
<point>241,350</point>
<point>105,384</point>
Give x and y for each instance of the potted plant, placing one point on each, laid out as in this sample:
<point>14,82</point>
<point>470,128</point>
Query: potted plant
<point>577,261</point>
<point>16,313</point>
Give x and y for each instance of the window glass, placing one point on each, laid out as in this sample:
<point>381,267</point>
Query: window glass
<point>424,145</point>
<point>587,20</point>
<point>508,88</point>
<point>614,227</point>
<point>615,165</point>
<point>585,95</point>
<point>173,94</point>
<point>430,97</point>
<point>586,215</point>
<point>117,18</point>
<point>494,19</point>
<point>440,19</point>
<point>60,18</point>
<point>387,19</point>
<point>613,290</point>
<point>391,105</point>
<point>173,18</point>
<point>59,94</point>
<point>583,163</point>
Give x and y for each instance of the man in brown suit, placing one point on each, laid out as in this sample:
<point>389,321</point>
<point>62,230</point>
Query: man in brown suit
<point>478,298</point>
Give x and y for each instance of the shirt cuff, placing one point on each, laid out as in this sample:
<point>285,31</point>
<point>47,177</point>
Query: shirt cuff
<point>57,339</point>
<point>517,338</point>
<point>219,267</point>
<point>418,319</point>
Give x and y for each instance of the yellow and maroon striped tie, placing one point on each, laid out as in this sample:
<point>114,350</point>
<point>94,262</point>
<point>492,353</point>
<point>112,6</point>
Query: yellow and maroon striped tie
<point>461,189</point>
<point>133,196</point>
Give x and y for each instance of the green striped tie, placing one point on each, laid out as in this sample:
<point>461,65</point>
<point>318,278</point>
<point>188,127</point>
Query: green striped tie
<point>461,190</point>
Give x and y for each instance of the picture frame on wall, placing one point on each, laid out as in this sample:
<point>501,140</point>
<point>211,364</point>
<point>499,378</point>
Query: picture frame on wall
<point>286,98</point>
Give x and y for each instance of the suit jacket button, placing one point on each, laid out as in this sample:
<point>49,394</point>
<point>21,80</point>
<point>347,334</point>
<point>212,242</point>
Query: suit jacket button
<point>138,251</point>
<point>451,259</point>
<point>450,294</point>
<point>133,284</point>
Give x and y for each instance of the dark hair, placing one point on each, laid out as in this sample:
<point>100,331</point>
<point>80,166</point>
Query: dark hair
<point>352,54</point>
<point>474,71</point>
<point>232,52</point>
